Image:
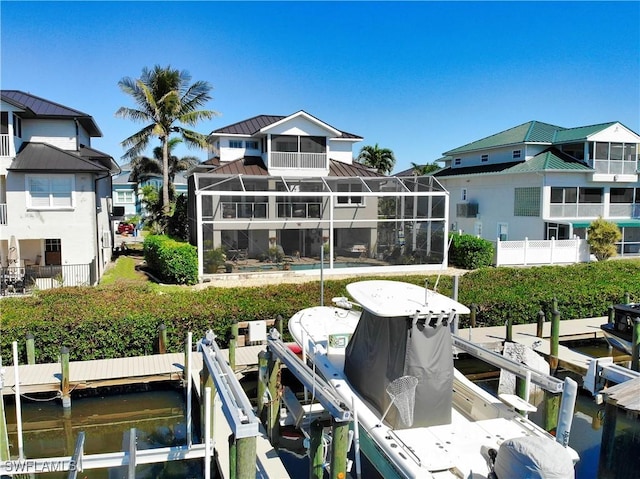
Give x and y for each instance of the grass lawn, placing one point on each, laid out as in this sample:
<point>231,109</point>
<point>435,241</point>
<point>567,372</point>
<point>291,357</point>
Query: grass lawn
<point>124,269</point>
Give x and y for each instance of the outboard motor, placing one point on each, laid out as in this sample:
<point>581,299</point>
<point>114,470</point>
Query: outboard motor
<point>533,458</point>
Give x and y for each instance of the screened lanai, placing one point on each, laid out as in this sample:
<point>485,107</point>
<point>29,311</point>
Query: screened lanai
<point>245,223</point>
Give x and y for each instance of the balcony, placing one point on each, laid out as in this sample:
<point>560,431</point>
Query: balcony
<point>573,210</point>
<point>281,159</point>
<point>233,210</point>
<point>299,210</point>
<point>5,145</point>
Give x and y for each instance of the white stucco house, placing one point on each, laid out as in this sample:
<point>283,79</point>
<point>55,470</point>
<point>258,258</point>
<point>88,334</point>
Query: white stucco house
<point>54,193</point>
<point>541,181</point>
<point>286,192</point>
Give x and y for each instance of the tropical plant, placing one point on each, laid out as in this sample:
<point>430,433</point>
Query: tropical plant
<point>143,166</point>
<point>165,100</point>
<point>382,159</point>
<point>156,219</point>
<point>602,236</point>
<point>421,170</point>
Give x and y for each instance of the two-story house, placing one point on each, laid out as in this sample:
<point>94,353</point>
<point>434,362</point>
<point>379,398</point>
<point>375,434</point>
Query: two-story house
<point>541,181</point>
<point>288,186</point>
<point>127,193</point>
<point>54,193</point>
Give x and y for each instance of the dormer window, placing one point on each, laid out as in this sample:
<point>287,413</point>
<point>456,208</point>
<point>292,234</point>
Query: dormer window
<point>484,158</point>
<point>517,154</point>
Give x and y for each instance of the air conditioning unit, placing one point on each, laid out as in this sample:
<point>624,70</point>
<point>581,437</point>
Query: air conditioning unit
<point>466,210</point>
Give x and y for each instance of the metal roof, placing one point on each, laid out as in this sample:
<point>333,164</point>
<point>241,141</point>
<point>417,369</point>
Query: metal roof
<point>36,107</point>
<point>253,125</point>
<point>47,158</point>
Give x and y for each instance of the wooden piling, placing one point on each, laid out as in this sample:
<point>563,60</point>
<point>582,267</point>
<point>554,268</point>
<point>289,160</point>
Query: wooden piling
<point>233,343</point>
<point>31,349</point>
<point>472,315</point>
<point>64,365</point>
<point>279,324</point>
<point>551,409</point>
<point>316,451</point>
<point>162,339</point>
<point>627,298</point>
<point>233,464</point>
<point>635,346</point>
<point>206,382</point>
<point>263,374</point>
<point>339,442</point>
<point>612,315</point>
<point>540,324</point>
<point>509,334</point>
<point>273,416</point>
<point>246,457</point>
<point>607,443</point>
<point>555,341</point>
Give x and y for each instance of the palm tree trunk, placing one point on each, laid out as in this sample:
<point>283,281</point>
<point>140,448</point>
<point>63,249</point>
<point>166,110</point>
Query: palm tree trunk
<point>165,176</point>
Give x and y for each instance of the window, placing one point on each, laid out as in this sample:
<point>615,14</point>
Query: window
<point>526,201</point>
<point>463,194</point>
<point>302,144</point>
<point>4,123</point>
<point>17,126</point>
<point>457,161</point>
<point>251,145</point>
<point>517,154</point>
<point>625,195</point>
<point>235,144</point>
<point>50,191</point>
<point>285,143</point>
<point>350,200</point>
<point>564,195</point>
<point>484,158</point>
<point>590,195</point>
<point>125,197</point>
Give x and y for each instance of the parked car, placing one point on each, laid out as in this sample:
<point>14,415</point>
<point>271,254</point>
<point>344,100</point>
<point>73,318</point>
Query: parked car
<point>125,228</point>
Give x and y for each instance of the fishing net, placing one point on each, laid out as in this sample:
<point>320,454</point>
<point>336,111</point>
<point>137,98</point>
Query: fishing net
<point>402,392</point>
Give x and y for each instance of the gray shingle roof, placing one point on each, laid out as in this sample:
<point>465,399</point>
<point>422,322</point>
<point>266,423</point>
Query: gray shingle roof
<point>36,107</point>
<point>47,158</point>
<point>253,125</point>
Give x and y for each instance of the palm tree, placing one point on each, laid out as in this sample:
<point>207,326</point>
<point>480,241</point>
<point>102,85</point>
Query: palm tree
<point>381,159</point>
<point>142,166</point>
<point>165,99</point>
<point>421,170</point>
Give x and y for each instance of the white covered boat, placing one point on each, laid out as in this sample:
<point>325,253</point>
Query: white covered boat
<point>391,360</point>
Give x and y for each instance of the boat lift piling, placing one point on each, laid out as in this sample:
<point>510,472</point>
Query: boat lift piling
<point>635,345</point>
<point>31,348</point>
<point>340,414</point>
<point>64,384</point>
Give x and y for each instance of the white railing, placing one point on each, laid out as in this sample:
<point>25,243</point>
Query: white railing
<point>3,213</point>
<point>5,145</point>
<point>280,159</point>
<point>616,167</point>
<point>576,210</point>
<point>531,252</point>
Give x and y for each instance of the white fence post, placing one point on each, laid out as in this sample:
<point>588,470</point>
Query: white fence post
<point>526,247</point>
<point>553,247</point>
<point>498,251</point>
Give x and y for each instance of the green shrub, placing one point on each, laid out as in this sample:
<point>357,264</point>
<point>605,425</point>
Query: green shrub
<point>170,260</point>
<point>470,252</point>
<point>602,236</point>
<point>122,319</point>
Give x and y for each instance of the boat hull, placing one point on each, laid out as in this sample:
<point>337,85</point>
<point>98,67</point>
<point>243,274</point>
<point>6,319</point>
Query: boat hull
<point>617,341</point>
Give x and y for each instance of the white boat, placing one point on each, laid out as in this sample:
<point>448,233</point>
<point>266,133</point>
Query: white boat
<point>391,360</point>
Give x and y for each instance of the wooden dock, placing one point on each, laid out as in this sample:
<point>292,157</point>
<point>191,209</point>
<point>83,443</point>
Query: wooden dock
<point>42,378</point>
<point>570,330</point>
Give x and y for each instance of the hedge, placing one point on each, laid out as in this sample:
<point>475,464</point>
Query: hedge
<point>171,261</point>
<point>122,320</point>
<point>470,252</point>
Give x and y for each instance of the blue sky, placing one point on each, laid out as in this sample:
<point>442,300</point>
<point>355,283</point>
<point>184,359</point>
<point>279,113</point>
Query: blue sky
<point>419,78</point>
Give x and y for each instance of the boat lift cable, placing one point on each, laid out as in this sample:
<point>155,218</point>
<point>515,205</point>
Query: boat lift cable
<point>324,393</point>
<point>545,381</point>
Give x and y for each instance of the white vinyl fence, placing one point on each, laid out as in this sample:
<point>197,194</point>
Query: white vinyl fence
<point>532,252</point>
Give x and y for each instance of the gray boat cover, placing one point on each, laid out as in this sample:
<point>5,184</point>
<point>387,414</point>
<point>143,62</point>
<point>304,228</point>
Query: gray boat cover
<point>533,458</point>
<point>384,349</point>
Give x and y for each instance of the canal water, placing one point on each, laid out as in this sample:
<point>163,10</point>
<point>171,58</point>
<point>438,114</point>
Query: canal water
<point>158,414</point>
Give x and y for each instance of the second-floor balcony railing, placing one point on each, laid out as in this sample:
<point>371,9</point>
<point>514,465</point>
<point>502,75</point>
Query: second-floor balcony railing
<point>576,210</point>
<point>281,159</point>
<point>622,210</point>
<point>5,145</point>
<point>616,167</point>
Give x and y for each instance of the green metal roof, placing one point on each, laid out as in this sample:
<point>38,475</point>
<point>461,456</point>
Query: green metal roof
<point>530,132</point>
<point>549,160</point>
<point>580,133</point>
